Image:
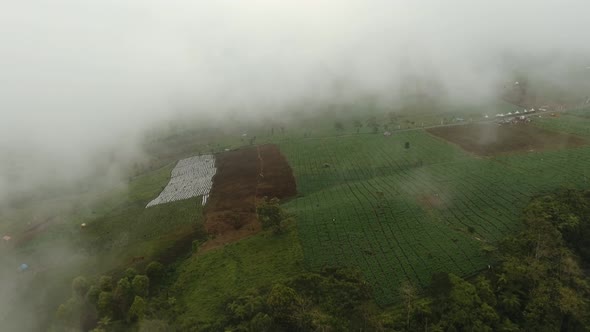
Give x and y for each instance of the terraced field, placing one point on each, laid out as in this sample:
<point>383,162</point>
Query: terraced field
<point>403,213</point>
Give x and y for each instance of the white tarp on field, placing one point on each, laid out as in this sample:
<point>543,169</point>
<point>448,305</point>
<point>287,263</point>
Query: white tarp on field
<point>190,178</point>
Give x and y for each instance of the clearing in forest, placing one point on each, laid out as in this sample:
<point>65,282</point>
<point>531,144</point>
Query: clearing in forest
<point>244,176</point>
<point>492,139</point>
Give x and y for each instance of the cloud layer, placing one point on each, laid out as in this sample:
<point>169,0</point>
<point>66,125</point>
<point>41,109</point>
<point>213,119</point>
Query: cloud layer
<point>81,77</point>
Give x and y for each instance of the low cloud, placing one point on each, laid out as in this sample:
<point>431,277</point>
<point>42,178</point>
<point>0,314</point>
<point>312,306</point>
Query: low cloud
<point>80,79</point>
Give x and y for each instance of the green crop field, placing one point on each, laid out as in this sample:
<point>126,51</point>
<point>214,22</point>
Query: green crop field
<point>575,122</point>
<point>398,213</point>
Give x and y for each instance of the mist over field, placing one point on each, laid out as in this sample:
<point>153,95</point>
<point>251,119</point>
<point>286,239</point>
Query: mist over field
<point>81,81</point>
<point>82,84</point>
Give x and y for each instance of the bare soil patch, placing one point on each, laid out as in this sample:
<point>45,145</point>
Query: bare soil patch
<point>244,176</point>
<point>492,139</point>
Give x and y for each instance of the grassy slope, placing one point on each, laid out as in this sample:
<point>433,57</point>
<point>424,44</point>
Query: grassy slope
<point>205,282</point>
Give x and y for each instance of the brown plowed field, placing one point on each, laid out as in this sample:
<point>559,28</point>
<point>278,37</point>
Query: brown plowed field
<point>244,176</point>
<point>492,139</point>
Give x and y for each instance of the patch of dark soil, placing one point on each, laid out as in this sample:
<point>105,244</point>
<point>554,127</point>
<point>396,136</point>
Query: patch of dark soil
<point>492,139</point>
<point>244,176</point>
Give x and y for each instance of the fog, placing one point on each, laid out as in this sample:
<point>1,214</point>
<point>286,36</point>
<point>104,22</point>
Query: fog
<point>80,78</point>
<point>82,81</point>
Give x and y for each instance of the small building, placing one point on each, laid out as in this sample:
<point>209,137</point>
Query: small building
<point>387,133</point>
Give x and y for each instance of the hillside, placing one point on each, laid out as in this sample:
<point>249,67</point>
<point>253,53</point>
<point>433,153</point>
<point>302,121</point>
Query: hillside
<point>371,212</point>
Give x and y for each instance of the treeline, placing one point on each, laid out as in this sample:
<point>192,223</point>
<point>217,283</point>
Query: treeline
<point>104,304</point>
<point>325,301</point>
<point>539,284</point>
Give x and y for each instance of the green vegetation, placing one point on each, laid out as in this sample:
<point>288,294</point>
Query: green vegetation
<point>271,215</point>
<point>119,232</point>
<point>331,300</point>
<point>574,122</point>
<point>206,282</point>
<point>102,304</point>
<point>539,284</point>
<point>376,218</point>
<point>401,214</point>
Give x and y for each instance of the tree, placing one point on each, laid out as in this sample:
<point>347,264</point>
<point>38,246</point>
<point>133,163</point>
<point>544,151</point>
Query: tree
<point>105,283</point>
<point>67,312</point>
<point>105,304</point>
<point>246,306</point>
<point>141,285</point>
<point>137,310</point>
<point>130,273</point>
<point>155,271</point>
<point>408,294</point>
<point>270,213</point>
<point>485,290</point>
<point>92,295</point>
<point>261,323</point>
<point>80,286</point>
<point>103,323</point>
<point>283,302</point>
<point>151,325</point>
<point>123,296</point>
<point>338,126</point>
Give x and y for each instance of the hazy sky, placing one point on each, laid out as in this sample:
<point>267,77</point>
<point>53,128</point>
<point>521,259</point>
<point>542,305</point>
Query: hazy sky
<point>78,76</point>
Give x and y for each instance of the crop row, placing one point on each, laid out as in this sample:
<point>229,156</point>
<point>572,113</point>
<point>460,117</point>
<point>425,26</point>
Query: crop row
<point>399,213</point>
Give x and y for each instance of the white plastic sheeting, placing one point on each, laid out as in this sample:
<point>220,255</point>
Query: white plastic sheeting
<point>190,178</point>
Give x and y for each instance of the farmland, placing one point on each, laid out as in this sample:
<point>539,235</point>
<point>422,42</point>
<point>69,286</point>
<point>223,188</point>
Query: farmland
<point>490,139</point>
<point>397,208</point>
<point>244,176</point>
<point>575,122</point>
<point>398,214</point>
<point>190,178</point>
